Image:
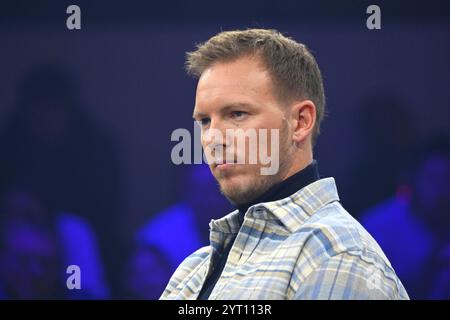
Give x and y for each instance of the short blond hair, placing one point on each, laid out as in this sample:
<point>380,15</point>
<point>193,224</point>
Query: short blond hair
<point>293,68</point>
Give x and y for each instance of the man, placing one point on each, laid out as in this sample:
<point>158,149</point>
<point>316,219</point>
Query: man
<point>289,237</point>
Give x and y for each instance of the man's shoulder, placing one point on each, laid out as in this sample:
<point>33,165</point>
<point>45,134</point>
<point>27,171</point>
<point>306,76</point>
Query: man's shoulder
<point>317,226</point>
<point>335,245</point>
<point>194,259</point>
<point>337,231</point>
<point>188,269</point>
<point>332,231</point>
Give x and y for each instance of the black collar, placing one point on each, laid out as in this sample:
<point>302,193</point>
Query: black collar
<point>286,187</point>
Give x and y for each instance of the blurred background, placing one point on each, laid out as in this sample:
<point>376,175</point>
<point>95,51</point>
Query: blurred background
<point>86,116</point>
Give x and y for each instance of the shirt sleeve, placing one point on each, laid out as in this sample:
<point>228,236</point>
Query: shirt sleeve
<point>349,276</point>
<point>186,275</point>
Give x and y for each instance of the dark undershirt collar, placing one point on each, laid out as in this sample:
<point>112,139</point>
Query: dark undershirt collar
<point>286,187</point>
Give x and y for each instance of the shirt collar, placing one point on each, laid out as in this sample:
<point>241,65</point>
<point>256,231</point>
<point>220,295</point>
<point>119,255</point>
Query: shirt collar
<point>291,211</point>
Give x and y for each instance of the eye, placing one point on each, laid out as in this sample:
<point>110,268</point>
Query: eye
<point>204,121</point>
<point>238,115</point>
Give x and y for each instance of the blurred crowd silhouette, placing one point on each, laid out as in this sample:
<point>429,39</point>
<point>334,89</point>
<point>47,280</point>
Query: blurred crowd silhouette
<point>58,181</point>
<point>61,201</point>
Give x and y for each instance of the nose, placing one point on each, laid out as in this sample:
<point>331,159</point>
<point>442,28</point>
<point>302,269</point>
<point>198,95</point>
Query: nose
<point>214,134</point>
<point>214,138</point>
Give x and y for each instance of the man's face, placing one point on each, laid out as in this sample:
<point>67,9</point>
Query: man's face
<point>239,95</point>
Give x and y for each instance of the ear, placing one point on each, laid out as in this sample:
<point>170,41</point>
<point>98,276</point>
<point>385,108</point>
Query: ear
<point>303,118</point>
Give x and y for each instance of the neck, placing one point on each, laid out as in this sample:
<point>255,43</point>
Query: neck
<point>303,158</point>
<point>285,188</point>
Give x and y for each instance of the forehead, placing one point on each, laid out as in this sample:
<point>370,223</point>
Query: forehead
<point>244,80</point>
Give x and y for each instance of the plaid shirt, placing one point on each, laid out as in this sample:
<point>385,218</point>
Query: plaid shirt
<point>305,246</point>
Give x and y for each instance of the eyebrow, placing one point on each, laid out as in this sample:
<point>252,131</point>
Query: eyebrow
<point>198,115</point>
<point>224,108</point>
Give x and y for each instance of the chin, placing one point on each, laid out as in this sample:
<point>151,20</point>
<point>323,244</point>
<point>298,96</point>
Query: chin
<point>239,191</point>
<point>232,188</point>
<point>230,185</point>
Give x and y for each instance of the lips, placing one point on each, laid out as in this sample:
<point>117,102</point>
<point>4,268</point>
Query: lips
<point>221,162</point>
<point>225,166</point>
<point>218,164</point>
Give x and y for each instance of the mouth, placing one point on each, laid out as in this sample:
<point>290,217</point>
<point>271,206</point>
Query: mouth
<point>224,164</point>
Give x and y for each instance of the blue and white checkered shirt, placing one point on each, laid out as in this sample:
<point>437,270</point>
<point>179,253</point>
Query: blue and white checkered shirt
<point>305,246</point>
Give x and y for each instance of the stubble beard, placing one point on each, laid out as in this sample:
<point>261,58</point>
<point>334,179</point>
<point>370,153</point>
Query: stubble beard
<point>256,185</point>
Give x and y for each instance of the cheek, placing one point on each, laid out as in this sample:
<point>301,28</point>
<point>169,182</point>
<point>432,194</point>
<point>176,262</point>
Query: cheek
<point>250,149</point>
